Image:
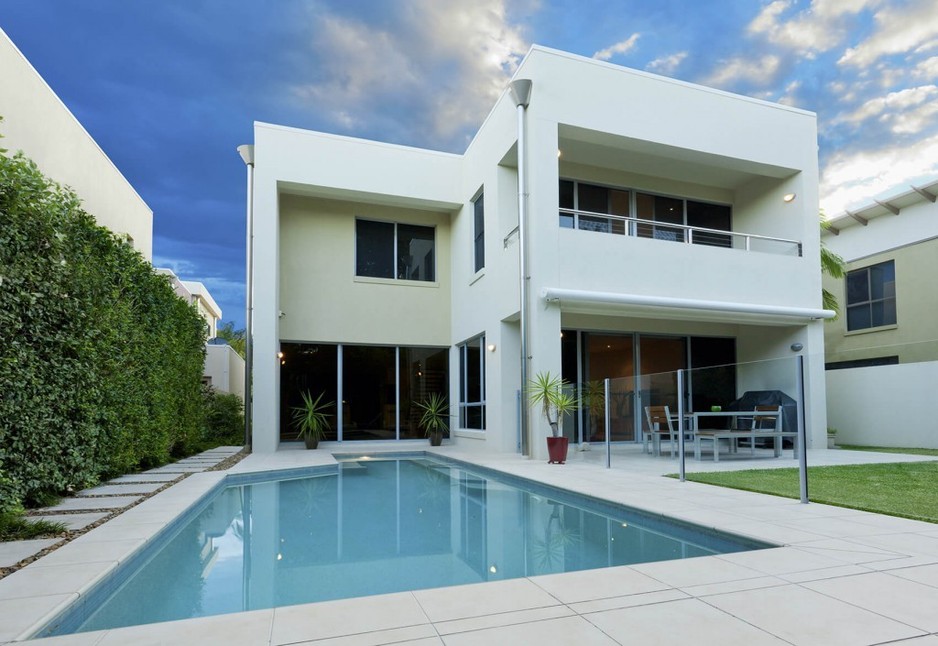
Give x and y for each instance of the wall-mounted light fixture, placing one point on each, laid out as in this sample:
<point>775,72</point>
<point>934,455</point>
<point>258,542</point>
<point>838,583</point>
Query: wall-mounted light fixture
<point>491,347</point>
<point>789,197</point>
<point>797,347</point>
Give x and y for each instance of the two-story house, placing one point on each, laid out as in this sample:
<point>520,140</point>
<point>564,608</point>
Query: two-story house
<point>603,223</point>
<point>882,352</point>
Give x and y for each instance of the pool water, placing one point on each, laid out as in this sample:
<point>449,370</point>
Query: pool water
<point>377,526</point>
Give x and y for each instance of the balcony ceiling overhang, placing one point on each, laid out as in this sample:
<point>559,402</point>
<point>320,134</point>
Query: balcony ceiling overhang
<point>890,206</point>
<point>681,309</point>
<point>601,149</point>
<point>365,197</point>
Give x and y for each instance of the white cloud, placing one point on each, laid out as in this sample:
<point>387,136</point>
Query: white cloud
<point>850,179</point>
<point>759,71</point>
<point>437,69</point>
<point>820,27</point>
<point>619,48</point>
<point>906,111</point>
<point>666,64</point>
<point>926,69</point>
<point>899,29</point>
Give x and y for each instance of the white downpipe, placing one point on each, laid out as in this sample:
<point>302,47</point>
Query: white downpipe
<point>609,298</point>
<point>521,93</point>
<point>247,154</point>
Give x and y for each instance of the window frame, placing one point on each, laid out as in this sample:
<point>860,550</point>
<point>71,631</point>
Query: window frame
<point>870,301</point>
<point>464,403</point>
<point>396,258</point>
<point>478,232</point>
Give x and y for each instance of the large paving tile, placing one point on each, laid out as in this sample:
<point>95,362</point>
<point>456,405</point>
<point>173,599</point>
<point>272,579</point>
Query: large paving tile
<point>910,544</point>
<point>145,477</point>
<point>12,552</point>
<point>927,574</point>
<point>689,621</point>
<point>801,616</point>
<point>460,602</point>
<point>18,615</point>
<point>88,550</point>
<point>424,635</point>
<point>82,504</point>
<point>74,521</point>
<point>589,585</point>
<point>568,631</point>
<point>123,489</point>
<point>697,571</point>
<point>336,618</point>
<point>849,551</point>
<point>781,560</point>
<point>502,619</point>
<point>220,630</point>
<point>77,639</point>
<point>36,581</point>
<point>835,527</point>
<point>903,600</point>
<point>630,601</point>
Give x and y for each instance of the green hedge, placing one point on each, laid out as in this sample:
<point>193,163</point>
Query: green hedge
<point>100,362</point>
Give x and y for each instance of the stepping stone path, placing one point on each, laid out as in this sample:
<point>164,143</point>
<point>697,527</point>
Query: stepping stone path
<point>110,499</point>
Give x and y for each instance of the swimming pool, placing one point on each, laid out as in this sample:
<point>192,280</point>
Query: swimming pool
<point>372,526</point>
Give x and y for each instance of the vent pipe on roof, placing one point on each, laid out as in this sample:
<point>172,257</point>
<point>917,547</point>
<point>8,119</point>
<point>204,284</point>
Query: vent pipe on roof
<point>521,94</point>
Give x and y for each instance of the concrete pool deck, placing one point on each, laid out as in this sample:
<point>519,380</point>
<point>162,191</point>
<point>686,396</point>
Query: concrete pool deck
<point>841,577</point>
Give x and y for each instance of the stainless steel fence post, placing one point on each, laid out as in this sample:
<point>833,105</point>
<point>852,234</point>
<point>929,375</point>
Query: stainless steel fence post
<point>680,422</point>
<point>608,423</point>
<point>802,434</point>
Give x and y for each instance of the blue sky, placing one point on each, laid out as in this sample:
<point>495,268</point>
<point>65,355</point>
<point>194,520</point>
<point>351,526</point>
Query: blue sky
<point>170,88</point>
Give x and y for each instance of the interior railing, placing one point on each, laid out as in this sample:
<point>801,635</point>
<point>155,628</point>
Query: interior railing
<point>638,227</point>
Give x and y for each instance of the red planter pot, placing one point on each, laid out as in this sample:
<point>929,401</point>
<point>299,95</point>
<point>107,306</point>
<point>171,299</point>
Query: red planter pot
<point>557,450</point>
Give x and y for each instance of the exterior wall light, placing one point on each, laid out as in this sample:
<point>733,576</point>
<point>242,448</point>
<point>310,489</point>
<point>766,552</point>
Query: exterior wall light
<point>797,347</point>
<point>789,197</point>
<point>491,347</point>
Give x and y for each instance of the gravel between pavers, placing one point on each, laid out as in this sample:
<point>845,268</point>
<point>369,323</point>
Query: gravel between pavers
<point>70,535</point>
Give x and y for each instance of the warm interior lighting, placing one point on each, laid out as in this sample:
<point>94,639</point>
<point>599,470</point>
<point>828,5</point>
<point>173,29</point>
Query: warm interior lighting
<point>789,197</point>
<point>280,355</point>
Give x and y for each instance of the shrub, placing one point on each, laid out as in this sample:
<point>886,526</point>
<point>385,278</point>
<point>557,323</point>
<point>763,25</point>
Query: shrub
<point>100,362</point>
<point>224,418</point>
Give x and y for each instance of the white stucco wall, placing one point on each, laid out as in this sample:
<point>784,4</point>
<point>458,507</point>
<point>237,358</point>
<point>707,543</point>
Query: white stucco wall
<point>226,369</point>
<point>884,405</point>
<point>37,122</point>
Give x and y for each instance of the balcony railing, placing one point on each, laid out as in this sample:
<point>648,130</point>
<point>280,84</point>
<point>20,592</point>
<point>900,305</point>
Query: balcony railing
<point>624,225</point>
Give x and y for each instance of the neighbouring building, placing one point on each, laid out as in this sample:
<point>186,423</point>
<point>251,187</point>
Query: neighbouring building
<point>661,226</point>
<point>37,122</point>
<point>882,352</point>
<point>224,368</point>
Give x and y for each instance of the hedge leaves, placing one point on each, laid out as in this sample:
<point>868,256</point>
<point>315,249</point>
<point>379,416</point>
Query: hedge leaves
<point>100,362</point>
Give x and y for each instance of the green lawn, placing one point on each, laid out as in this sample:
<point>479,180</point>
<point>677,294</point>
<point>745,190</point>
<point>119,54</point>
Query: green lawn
<point>881,449</point>
<point>899,489</point>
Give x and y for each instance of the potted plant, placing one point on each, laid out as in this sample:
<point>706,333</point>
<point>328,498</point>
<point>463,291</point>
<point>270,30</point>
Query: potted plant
<point>831,438</point>
<point>547,391</point>
<point>311,420</point>
<point>434,418</point>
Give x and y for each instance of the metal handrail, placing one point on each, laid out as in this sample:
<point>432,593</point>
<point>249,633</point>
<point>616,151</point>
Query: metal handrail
<point>687,239</point>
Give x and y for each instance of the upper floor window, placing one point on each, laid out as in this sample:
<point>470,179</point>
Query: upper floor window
<point>478,231</point>
<point>871,296</point>
<point>393,250</point>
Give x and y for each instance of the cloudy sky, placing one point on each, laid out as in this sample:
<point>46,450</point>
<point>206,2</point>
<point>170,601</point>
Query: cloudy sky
<point>169,88</point>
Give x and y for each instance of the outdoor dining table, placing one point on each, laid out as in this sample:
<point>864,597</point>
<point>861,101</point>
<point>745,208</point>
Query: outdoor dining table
<point>735,434</point>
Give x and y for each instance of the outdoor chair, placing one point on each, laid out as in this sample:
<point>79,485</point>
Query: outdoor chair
<point>659,425</point>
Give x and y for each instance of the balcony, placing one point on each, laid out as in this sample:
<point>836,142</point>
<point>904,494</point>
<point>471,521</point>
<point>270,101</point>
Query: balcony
<point>673,232</point>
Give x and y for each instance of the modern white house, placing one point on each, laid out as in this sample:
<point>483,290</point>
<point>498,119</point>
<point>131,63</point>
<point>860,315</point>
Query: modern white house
<point>603,223</point>
<point>882,352</point>
<point>37,122</point>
